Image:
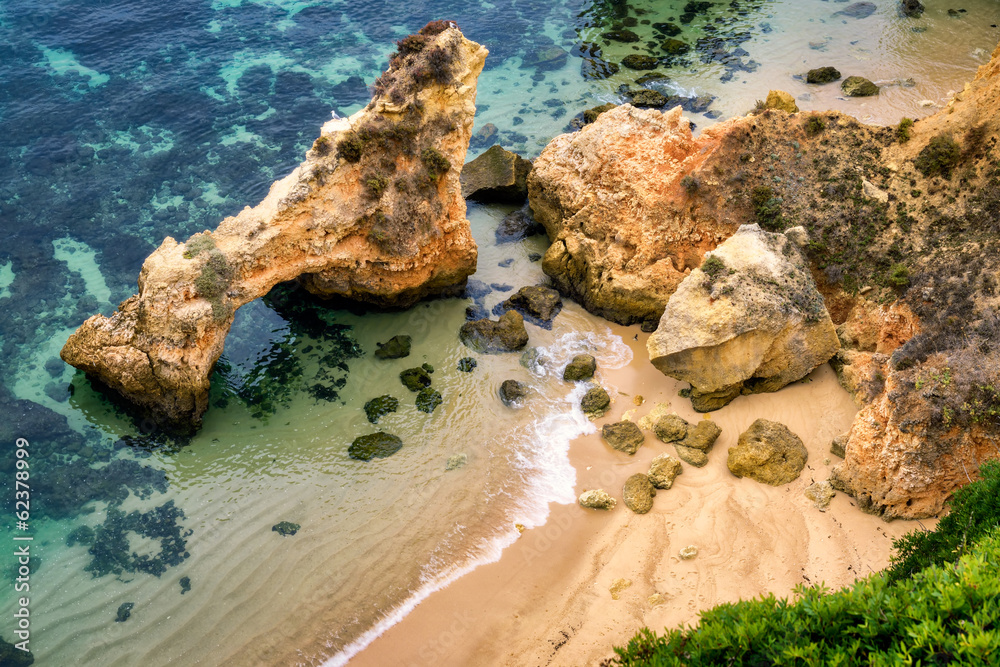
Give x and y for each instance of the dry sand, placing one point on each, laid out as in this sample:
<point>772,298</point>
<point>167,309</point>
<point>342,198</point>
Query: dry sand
<point>547,601</point>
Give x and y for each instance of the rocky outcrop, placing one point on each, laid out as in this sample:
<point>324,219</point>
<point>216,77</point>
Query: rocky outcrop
<point>749,320</point>
<point>498,175</point>
<point>374,213</point>
<point>539,304</point>
<point>769,453</point>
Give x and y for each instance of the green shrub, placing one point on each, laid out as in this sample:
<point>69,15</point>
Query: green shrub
<point>322,145</point>
<point>690,183</point>
<point>198,244</point>
<point>435,162</point>
<point>815,125</point>
<point>766,208</point>
<point>899,275</point>
<point>376,183</point>
<point>215,278</point>
<point>903,130</point>
<point>938,157</point>
<point>350,147</point>
<point>713,266</point>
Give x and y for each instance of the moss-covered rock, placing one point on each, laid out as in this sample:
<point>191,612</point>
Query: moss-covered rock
<point>645,98</point>
<point>624,436</point>
<point>415,379</point>
<point>498,175</point>
<point>467,364</point>
<point>638,493</point>
<point>380,406</point>
<point>858,86</point>
<point>640,62</point>
<point>582,367</point>
<point>11,656</point>
<point>702,436</point>
<point>621,35</point>
<point>486,336</point>
<point>396,347</point>
<point>595,402</point>
<point>675,47</point>
<point>590,115</point>
<point>285,528</point>
<point>822,75</point>
<point>539,304</point>
<point>374,445</point>
<point>185,583</point>
<point>670,428</point>
<point>664,470</point>
<point>769,453</point>
<point>428,399</point>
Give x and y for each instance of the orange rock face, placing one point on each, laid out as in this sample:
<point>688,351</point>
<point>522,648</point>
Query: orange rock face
<point>374,214</point>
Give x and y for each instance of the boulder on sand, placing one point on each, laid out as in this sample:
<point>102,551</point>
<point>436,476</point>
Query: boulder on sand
<point>769,453</point>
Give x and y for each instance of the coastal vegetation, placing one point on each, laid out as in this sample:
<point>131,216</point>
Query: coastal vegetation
<point>937,603</point>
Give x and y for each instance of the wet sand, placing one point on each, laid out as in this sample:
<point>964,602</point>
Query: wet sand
<point>547,600</point>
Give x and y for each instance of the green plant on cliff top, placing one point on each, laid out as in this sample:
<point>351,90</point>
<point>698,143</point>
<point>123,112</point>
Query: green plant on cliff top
<point>766,208</point>
<point>903,130</point>
<point>214,280</point>
<point>815,125</point>
<point>938,157</point>
<point>197,245</point>
<point>713,266</point>
<point>899,275</point>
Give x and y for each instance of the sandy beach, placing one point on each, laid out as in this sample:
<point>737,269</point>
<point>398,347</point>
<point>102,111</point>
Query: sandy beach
<point>547,600</point>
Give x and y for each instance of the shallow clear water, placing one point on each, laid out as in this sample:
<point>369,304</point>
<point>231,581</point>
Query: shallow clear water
<point>123,122</point>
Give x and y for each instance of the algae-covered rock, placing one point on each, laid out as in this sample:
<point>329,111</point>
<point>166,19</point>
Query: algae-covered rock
<point>81,535</point>
<point>645,98</point>
<point>374,445</point>
<point>538,303</point>
<point>498,175</point>
<point>415,379</point>
<point>582,367</point>
<point>913,9</point>
<point>640,62</point>
<point>638,493</point>
<point>505,335</point>
<point>456,461</point>
<point>285,528</point>
<point>822,75</point>
<point>769,453</point>
<point>124,612</point>
<point>857,10</point>
<point>512,391</point>
<point>664,470</point>
<point>858,86</point>
<point>749,320</point>
<point>11,656</point>
<point>595,402</point>
<point>624,436</point>
<point>702,436</point>
<point>821,493</point>
<point>675,47</point>
<point>782,101</point>
<point>428,399</point>
<point>671,428</point>
<point>467,364</point>
<point>691,456</point>
<point>380,407</point>
<point>185,583</point>
<point>598,499</point>
<point>396,347</point>
<point>590,115</point>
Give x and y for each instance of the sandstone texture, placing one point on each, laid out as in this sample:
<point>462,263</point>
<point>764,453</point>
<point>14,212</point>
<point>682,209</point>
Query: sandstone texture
<point>638,493</point>
<point>664,470</point>
<point>498,175</point>
<point>374,213</point>
<point>749,320</point>
<point>768,453</point>
<point>671,428</point>
<point>623,436</point>
<point>598,499</point>
<point>782,101</point>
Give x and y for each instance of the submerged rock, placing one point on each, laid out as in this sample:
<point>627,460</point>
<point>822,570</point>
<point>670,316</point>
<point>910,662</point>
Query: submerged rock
<point>512,391</point>
<point>498,175</point>
<point>374,445</point>
<point>428,399</point>
<point>858,10</point>
<point>670,428</point>
<point>647,98</point>
<point>595,402</point>
<point>124,612</point>
<point>486,336</point>
<point>769,453</point>
<point>639,62</point>
<point>858,86</point>
<point>380,407</point>
<point>638,493</point>
<point>624,436</point>
<point>822,75</point>
<point>590,115</point>
<point>598,499</point>
<point>913,9</point>
<point>467,364</point>
<point>415,379</point>
<point>337,223</point>
<point>582,367</point>
<point>285,528</point>
<point>517,226</point>
<point>749,320</point>
<point>540,304</point>
<point>664,470</point>
<point>185,583</point>
<point>396,347</point>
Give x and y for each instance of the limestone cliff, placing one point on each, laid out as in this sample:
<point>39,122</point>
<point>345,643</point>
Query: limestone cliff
<point>749,320</point>
<point>904,229</point>
<point>374,213</point>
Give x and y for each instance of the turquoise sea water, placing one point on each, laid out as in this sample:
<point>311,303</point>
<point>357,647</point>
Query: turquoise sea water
<point>124,122</point>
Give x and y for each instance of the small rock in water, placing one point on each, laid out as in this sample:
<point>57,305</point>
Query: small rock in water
<point>507,334</point>
<point>428,399</point>
<point>858,86</point>
<point>379,407</point>
<point>124,612</point>
<point>456,461</point>
<point>396,347</point>
<point>512,391</point>
<point>467,364</point>
<point>822,75</point>
<point>415,379</point>
<point>688,552</point>
<point>821,493</point>
<point>285,528</point>
<point>638,493</point>
<point>374,445</point>
<point>617,586</point>
<point>858,10</point>
<point>598,499</point>
<point>534,256</point>
<point>505,263</point>
<point>582,367</point>
<point>595,402</point>
<point>624,436</point>
<point>185,584</point>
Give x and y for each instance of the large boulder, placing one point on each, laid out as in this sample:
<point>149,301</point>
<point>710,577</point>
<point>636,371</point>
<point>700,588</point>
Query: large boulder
<point>340,223</point>
<point>769,453</point>
<point>749,320</point>
<point>638,493</point>
<point>375,445</point>
<point>498,175</point>
<point>505,335</point>
<point>858,86</point>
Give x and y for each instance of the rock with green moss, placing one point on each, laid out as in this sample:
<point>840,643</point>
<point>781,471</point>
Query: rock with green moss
<point>507,334</point>
<point>590,115</point>
<point>822,75</point>
<point>496,176</point>
<point>595,402</point>
<point>185,583</point>
<point>624,436</point>
<point>540,304</point>
<point>415,379</point>
<point>467,364</point>
<point>636,61</point>
<point>858,86</point>
<point>428,399</point>
<point>81,535</point>
<point>638,493</point>
<point>380,406</point>
<point>374,445</point>
<point>768,452</point>
<point>675,47</point>
<point>396,347</point>
<point>582,367</point>
<point>124,612</point>
<point>285,528</point>
<point>645,98</point>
